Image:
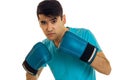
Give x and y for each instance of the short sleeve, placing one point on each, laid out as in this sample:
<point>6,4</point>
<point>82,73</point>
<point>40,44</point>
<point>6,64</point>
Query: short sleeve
<point>92,40</point>
<point>87,35</point>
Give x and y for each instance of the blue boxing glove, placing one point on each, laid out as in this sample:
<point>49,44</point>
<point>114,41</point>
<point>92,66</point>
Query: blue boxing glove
<point>36,58</point>
<point>76,46</point>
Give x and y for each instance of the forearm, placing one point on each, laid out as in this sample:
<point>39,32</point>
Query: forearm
<point>33,77</point>
<point>101,64</point>
<point>30,77</point>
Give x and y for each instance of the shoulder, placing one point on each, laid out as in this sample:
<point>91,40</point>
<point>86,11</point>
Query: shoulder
<point>81,32</point>
<point>46,42</point>
<point>87,35</point>
<point>77,29</point>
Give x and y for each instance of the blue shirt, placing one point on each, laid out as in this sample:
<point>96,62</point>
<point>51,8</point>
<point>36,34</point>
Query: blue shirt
<point>67,67</point>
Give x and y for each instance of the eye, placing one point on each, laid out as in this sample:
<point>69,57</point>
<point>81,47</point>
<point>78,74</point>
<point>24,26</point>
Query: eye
<point>43,22</point>
<point>54,20</point>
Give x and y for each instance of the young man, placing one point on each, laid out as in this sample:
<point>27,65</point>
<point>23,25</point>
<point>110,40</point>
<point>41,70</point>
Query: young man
<point>65,66</point>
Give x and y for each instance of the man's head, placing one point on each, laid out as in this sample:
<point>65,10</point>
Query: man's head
<point>50,8</point>
<point>51,19</point>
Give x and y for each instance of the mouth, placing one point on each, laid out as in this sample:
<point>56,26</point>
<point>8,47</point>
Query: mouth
<point>50,34</point>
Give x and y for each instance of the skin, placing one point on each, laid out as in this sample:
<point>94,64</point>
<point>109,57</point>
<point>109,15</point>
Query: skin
<point>31,77</point>
<point>54,29</point>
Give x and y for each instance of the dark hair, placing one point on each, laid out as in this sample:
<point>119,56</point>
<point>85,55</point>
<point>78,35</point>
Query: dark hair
<point>50,8</point>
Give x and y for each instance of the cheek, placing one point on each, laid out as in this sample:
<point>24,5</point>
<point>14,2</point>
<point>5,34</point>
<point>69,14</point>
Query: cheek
<point>43,29</point>
<point>57,28</point>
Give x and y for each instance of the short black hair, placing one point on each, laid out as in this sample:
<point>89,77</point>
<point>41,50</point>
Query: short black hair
<point>50,8</point>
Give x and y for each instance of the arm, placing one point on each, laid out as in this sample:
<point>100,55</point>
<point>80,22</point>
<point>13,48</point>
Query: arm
<point>36,59</point>
<point>101,64</point>
<point>85,51</point>
<point>33,77</point>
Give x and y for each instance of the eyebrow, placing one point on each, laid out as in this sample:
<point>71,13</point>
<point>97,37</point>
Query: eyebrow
<point>54,18</point>
<point>51,19</point>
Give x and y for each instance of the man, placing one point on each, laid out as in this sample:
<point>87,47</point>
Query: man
<point>65,66</point>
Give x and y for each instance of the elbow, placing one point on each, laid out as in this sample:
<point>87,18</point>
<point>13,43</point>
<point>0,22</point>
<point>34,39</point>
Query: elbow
<point>105,71</point>
<point>108,70</point>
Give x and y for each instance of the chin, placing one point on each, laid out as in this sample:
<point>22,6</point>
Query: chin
<point>51,38</point>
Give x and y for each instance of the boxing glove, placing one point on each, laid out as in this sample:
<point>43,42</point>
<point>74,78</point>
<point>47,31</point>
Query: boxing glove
<point>76,46</point>
<point>36,58</point>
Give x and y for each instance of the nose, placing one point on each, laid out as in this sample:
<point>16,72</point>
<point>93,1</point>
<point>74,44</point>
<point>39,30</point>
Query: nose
<point>49,27</point>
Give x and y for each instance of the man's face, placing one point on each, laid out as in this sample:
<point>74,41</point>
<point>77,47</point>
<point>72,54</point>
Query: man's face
<point>53,27</point>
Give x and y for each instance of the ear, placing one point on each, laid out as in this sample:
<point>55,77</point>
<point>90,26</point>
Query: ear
<point>64,19</point>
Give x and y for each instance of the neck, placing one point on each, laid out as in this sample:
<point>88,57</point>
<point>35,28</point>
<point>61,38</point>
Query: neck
<point>58,40</point>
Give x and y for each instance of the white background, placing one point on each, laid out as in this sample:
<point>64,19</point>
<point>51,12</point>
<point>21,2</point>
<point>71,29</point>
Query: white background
<point>19,31</point>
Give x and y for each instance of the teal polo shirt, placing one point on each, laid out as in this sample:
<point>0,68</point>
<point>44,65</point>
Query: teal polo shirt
<point>68,67</point>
